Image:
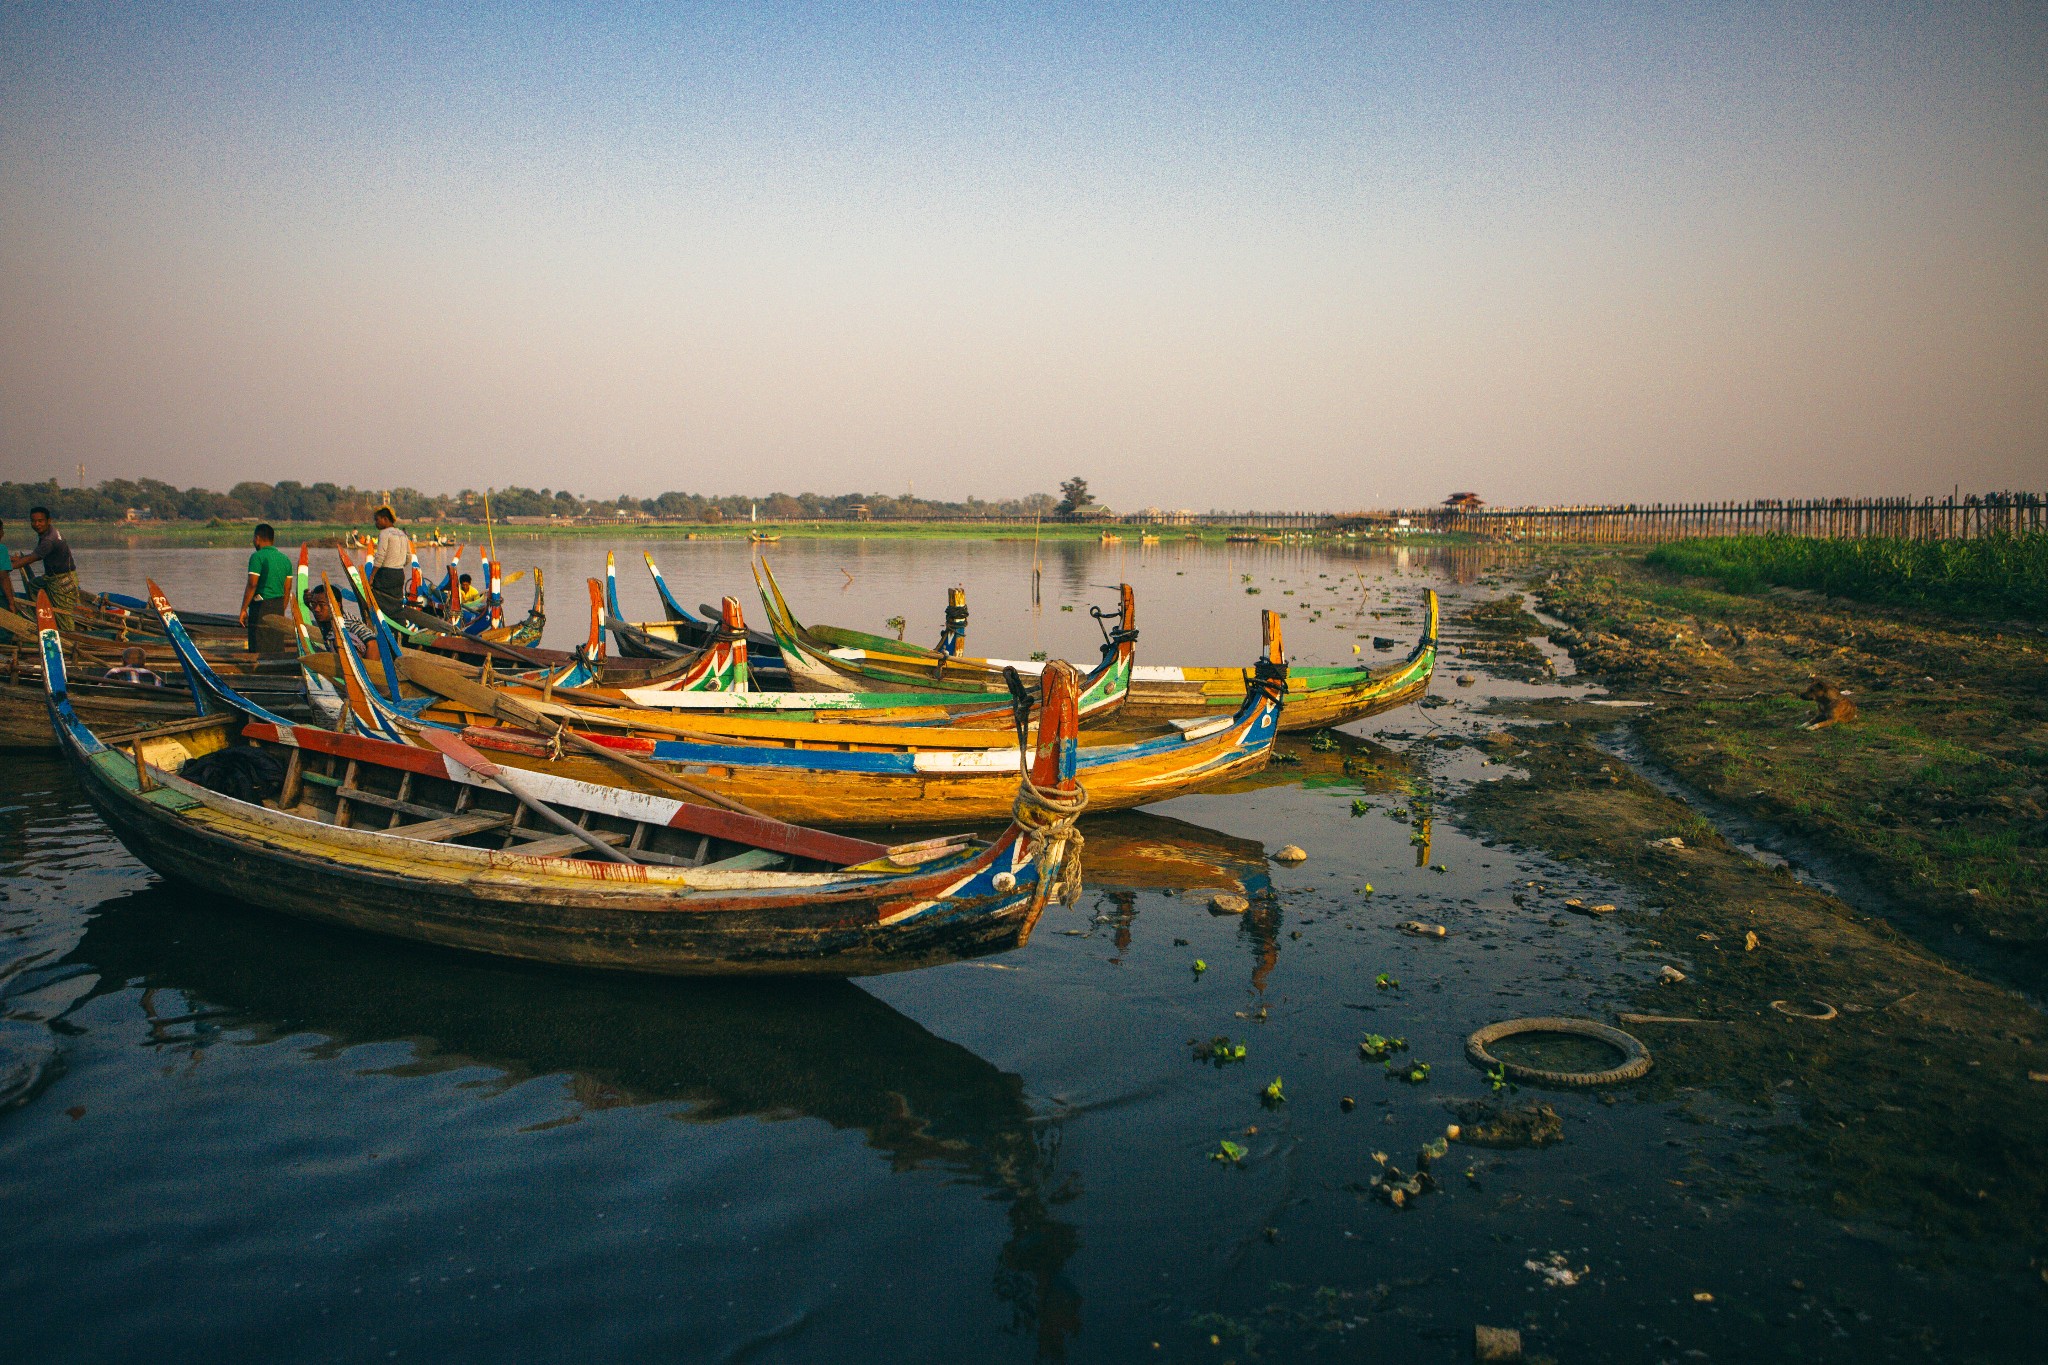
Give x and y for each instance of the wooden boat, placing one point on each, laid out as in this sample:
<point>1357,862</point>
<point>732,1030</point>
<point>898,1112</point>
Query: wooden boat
<point>1317,696</point>
<point>681,635</point>
<point>849,775</point>
<point>440,845</point>
<point>423,629</point>
<point>715,687</point>
<point>834,658</point>
<point>761,538</point>
<point>25,715</point>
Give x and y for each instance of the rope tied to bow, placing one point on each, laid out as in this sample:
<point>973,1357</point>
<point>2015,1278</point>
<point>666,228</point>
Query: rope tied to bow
<point>1047,815</point>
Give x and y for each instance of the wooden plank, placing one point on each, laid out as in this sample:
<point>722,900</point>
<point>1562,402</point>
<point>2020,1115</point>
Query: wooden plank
<point>451,827</point>
<point>553,846</point>
<point>753,860</point>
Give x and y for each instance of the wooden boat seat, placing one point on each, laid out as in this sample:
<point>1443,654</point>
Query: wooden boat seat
<point>555,845</point>
<point>753,860</point>
<point>452,827</point>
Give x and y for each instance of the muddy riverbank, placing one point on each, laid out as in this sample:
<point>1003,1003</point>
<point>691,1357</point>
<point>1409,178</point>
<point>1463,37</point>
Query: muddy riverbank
<point>1937,793</point>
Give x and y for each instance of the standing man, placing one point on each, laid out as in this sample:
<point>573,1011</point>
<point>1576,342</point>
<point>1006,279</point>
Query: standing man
<point>394,551</point>
<point>270,574</point>
<point>6,573</point>
<point>60,571</point>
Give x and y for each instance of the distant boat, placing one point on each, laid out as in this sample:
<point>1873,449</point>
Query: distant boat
<point>1148,540</point>
<point>1110,539</point>
<point>1242,539</point>
<point>760,538</point>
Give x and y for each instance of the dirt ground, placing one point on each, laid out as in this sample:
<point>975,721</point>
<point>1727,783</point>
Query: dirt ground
<point>1918,1097</point>
<point>1937,795</point>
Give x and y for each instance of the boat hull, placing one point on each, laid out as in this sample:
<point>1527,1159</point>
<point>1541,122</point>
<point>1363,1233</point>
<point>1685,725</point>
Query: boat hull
<point>520,913</point>
<point>961,788</point>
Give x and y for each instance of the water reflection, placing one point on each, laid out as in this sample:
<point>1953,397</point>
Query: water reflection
<point>1140,851</point>
<point>205,973</point>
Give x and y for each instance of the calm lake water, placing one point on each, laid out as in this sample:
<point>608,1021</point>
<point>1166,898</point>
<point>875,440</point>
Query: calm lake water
<point>249,1139</point>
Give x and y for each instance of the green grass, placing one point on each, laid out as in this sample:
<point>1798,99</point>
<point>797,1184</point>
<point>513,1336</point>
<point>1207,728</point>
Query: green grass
<point>1992,576</point>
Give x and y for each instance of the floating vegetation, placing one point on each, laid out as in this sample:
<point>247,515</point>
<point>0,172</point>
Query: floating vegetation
<point>1377,1047</point>
<point>1220,1050</point>
<point>1228,1152</point>
<point>1272,1094</point>
<point>1383,981</point>
<point>1414,1073</point>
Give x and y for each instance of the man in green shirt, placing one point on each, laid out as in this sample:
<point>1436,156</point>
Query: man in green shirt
<point>270,575</point>
<point>7,574</point>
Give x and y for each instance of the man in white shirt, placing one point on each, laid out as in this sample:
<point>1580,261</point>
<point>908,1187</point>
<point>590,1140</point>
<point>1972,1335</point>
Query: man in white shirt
<point>394,552</point>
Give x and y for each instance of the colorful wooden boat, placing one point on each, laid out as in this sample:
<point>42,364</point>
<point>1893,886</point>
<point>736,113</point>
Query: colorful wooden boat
<point>846,775</point>
<point>682,635</point>
<point>439,845</point>
<point>25,715</point>
<point>715,685</point>
<point>1318,697</point>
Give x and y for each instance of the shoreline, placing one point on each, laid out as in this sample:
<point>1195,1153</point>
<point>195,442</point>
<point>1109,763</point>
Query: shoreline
<point>236,534</point>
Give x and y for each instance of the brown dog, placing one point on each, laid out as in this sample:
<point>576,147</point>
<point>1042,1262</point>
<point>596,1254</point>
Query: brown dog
<point>1830,707</point>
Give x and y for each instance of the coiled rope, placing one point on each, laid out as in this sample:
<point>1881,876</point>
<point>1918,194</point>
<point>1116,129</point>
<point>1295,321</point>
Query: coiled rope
<point>1046,814</point>
<point>1049,815</point>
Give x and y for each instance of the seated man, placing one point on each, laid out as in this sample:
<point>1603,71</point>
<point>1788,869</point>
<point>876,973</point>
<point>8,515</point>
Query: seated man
<point>361,633</point>
<point>132,670</point>
<point>471,598</point>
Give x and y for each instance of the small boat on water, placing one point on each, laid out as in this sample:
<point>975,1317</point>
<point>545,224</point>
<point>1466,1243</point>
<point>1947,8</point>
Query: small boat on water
<point>682,635</point>
<point>114,700</point>
<point>1318,696</point>
<point>436,842</point>
<point>818,773</point>
<point>716,688</point>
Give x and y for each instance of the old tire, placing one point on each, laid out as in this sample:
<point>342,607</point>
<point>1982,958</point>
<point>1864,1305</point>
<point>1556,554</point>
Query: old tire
<point>1635,1058</point>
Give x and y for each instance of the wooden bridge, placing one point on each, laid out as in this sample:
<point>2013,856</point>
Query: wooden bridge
<point>1954,518</point>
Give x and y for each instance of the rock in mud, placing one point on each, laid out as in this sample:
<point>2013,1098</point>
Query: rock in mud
<point>1496,1345</point>
<point>1493,1123</point>
<point>1671,976</point>
<point>1421,930</point>
<point>1227,904</point>
<point>1292,853</point>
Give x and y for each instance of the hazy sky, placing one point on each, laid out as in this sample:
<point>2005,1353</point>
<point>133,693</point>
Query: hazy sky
<point>1314,256</point>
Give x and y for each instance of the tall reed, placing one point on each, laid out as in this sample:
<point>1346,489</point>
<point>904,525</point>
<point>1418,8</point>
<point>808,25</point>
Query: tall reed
<point>1992,576</point>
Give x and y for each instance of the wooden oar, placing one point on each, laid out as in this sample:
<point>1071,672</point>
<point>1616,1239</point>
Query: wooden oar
<point>490,702</point>
<point>469,758</point>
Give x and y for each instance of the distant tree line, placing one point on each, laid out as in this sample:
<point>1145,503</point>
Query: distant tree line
<point>152,499</point>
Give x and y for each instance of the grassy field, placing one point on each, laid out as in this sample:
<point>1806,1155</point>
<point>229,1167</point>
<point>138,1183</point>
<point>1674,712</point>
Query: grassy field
<point>1996,576</point>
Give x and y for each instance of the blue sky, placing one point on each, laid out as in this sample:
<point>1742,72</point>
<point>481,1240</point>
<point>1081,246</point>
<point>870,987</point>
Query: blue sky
<point>1222,256</point>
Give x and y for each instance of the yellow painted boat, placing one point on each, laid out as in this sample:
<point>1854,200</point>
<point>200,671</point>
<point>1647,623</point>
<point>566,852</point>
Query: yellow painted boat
<point>442,845</point>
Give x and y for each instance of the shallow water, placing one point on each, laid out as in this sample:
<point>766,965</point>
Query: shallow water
<point>234,1137</point>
